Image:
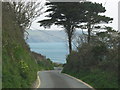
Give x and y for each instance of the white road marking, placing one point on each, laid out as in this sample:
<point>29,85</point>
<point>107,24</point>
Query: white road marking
<point>38,80</point>
<point>80,81</point>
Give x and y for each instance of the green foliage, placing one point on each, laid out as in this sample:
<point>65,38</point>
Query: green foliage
<point>84,15</point>
<point>92,17</point>
<point>15,73</point>
<point>96,63</point>
<point>57,65</point>
<point>97,78</point>
<point>45,64</point>
<point>60,15</point>
<point>19,69</point>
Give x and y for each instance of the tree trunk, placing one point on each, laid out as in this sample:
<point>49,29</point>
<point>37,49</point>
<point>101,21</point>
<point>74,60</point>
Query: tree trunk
<point>88,35</point>
<point>70,44</point>
<point>89,32</point>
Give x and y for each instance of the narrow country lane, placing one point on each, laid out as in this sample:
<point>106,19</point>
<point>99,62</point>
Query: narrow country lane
<point>56,79</point>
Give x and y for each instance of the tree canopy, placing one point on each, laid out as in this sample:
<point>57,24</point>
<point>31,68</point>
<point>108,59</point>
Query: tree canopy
<point>72,15</point>
<point>92,16</point>
<point>66,14</point>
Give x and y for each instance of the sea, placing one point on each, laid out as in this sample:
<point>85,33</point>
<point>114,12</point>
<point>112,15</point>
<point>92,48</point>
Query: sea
<point>56,51</point>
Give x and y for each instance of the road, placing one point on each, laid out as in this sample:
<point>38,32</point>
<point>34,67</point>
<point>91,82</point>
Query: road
<point>56,79</point>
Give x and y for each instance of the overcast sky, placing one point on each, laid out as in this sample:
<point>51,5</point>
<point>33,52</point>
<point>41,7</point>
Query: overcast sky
<point>111,11</point>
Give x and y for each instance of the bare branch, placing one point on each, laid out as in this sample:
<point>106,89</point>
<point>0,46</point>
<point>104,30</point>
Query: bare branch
<point>26,12</point>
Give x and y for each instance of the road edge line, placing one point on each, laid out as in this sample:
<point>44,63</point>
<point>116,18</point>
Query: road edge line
<point>38,80</point>
<point>79,81</point>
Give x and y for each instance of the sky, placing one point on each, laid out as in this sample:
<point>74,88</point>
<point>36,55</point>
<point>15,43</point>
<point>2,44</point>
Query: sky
<point>111,11</point>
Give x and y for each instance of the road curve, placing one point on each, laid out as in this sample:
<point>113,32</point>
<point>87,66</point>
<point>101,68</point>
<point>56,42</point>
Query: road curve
<point>55,79</point>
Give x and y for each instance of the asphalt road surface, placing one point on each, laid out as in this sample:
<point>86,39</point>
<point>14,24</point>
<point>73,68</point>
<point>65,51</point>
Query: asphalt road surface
<point>55,79</point>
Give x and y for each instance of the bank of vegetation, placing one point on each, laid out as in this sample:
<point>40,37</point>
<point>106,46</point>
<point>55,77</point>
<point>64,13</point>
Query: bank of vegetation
<point>19,64</point>
<point>96,63</point>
